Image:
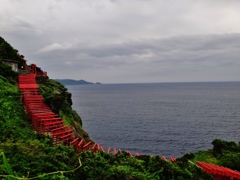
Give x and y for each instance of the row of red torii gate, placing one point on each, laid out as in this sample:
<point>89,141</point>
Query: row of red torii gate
<point>46,121</point>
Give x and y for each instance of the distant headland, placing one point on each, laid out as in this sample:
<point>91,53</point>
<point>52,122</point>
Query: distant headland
<point>74,82</point>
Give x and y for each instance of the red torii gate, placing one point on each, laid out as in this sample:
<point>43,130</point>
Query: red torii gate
<point>219,172</point>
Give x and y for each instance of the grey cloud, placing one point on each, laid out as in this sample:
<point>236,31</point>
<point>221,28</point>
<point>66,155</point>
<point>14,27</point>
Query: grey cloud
<point>119,41</point>
<point>170,53</point>
<point>173,45</point>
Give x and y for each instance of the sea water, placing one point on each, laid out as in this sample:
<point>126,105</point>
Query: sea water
<point>166,119</point>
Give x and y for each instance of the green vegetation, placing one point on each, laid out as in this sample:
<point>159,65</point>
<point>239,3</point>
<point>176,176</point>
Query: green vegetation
<point>13,121</point>
<point>227,153</point>
<point>8,52</point>
<point>6,71</point>
<point>122,166</point>
<point>25,154</point>
<point>224,153</point>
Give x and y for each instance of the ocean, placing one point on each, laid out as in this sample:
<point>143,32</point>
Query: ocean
<point>165,119</point>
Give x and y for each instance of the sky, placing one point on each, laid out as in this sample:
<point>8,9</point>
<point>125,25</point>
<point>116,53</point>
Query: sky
<point>127,41</point>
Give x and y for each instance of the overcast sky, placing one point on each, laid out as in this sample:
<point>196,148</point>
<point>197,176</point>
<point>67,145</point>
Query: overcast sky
<point>125,41</point>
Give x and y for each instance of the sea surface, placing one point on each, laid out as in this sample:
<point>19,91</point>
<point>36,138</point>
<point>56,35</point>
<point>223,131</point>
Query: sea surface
<point>166,119</point>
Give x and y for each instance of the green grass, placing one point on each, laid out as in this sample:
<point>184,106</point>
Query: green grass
<point>205,156</point>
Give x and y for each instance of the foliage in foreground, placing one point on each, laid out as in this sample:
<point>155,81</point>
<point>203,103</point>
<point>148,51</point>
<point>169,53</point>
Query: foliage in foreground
<point>100,166</point>
<point>121,166</point>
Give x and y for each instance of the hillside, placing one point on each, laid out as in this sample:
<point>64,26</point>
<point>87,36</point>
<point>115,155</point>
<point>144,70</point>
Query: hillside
<point>26,153</point>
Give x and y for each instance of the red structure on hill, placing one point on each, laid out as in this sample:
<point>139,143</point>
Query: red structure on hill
<point>32,69</point>
<point>43,119</point>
